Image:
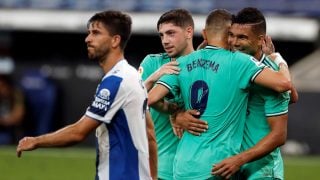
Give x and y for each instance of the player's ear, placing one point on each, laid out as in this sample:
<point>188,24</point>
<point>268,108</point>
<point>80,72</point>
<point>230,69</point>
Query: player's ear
<point>204,34</point>
<point>189,31</point>
<point>116,39</point>
<point>261,39</point>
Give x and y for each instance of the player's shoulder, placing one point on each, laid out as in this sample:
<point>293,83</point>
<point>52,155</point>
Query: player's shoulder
<point>214,50</point>
<point>240,54</point>
<point>269,63</point>
<point>191,55</point>
<point>123,73</point>
<point>157,57</point>
<point>123,69</point>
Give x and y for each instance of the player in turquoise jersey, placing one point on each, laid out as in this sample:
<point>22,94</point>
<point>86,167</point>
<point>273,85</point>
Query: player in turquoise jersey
<point>265,104</point>
<point>266,123</point>
<point>215,82</point>
<point>175,28</point>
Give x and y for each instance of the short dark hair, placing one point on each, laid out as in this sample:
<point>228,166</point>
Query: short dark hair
<point>218,19</point>
<point>251,16</point>
<point>178,17</point>
<point>116,22</point>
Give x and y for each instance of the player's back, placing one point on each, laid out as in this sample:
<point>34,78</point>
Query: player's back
<point>213,81</point>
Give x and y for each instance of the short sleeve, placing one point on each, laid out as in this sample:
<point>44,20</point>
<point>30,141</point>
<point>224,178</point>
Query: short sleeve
<point>107,100</point>
<point>276,103</point>
<point>146,67</point>
<point>246,68</point>
<point>171,82</point>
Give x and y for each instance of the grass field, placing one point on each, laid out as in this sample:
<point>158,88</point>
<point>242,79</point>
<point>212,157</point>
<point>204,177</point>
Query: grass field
<point>79,164</point>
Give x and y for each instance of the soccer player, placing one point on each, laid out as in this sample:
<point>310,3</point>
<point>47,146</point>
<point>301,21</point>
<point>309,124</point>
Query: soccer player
<point>176,28</point>
<point>266,123</point>
<point>117,112</point>
<point>215,82</point>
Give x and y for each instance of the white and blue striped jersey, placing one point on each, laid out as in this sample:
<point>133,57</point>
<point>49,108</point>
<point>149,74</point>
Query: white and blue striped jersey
<point>122,145</point>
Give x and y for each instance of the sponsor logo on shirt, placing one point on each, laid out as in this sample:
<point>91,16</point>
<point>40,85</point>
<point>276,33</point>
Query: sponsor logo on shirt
<point>104,94</point>
<point>102,100</point>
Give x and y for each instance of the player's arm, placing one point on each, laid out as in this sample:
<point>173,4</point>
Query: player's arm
<point>293,95</point>
<point>274,139</point>
<point>156,95</point>
<point>277,58</point>
<point>165,106</point>
<point>268,48</point>
<point>168,68</point>
<point>186,119</point>
<point>153,151</point>
<point>279,81</point>
<point>68,135</point>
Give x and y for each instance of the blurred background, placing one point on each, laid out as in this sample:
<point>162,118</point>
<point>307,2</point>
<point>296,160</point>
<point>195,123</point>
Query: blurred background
<point>42,51</point>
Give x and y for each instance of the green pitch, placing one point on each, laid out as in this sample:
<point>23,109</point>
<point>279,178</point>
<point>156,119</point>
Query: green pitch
<point>79,163</point>
<point>49,164</point>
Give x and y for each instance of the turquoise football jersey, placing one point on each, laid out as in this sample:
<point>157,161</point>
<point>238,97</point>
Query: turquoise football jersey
<point>166,140</point>
<point>263,103</point>
<point>215,82</point>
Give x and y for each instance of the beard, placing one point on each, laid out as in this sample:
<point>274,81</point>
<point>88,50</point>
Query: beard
<point>92,56</point>
<point>97,54</point>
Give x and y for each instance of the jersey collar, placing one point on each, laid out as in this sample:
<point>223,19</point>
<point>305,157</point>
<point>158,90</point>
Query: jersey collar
<point>212,47</point>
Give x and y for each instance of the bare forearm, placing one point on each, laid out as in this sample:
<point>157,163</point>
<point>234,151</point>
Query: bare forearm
<point>230,165</point>
<point>283,66</point>
<point>284,78</point>
<point>168,68</point>
<point>279,81</point>
<point>276,138</point>
<point>66,136</point>
<point>165,107</point>
<point>63,137</point>
<point>262,148</point>
<point>153,160</point>
<point>161,106</point>
<point>153,151</point>
<point>149,83</point>
<point>294,96</point>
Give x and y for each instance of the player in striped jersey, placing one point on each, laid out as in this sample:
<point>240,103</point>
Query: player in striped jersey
<point>117,112</point>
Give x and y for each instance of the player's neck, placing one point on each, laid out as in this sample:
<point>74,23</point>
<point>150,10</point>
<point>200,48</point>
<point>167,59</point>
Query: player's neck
<point>218,44</point>
<point>258,55</point>
<point>112,59</point>
<point>188,50</point>
<point>218,41</point>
